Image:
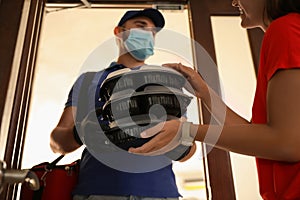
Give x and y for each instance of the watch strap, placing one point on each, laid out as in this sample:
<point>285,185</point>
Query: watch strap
<point>186,138</point>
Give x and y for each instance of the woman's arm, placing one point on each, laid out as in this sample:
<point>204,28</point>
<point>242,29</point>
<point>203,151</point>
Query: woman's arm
<point>278,139</point>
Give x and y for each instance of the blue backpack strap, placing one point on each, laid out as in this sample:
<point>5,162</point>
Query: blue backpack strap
<point>102,77</point>
<point>82,106</point>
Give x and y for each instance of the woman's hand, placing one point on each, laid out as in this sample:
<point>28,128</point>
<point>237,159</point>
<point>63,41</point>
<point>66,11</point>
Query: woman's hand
<point>199,86</point>
<point>168,135</point>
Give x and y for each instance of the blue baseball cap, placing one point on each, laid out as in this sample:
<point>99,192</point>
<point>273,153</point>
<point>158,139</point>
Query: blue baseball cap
<point>151,13</point>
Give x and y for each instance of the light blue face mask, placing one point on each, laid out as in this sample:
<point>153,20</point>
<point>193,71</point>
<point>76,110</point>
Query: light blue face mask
<point>140,44</point>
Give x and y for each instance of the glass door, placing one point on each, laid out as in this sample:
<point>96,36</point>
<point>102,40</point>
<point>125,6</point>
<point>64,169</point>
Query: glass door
<point>75,40</point>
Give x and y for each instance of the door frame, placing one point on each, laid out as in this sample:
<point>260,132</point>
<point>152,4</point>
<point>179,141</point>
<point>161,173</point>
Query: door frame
<point>16,78</point>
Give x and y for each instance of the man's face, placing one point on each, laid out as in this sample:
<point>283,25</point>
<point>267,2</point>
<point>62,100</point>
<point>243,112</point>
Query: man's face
<point>144,40</point>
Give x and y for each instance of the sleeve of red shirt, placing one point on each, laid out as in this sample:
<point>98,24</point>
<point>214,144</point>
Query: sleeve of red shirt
<point>283,45</point>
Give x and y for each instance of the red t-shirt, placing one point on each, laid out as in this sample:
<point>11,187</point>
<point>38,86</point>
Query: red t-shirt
<point>280,50</point>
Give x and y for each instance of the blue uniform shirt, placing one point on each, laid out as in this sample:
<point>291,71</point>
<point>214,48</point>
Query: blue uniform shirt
<point>96,178</point>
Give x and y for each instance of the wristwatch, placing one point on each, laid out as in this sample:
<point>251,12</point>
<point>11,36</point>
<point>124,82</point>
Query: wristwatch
<point>186,138</point>
<point>186,143</point>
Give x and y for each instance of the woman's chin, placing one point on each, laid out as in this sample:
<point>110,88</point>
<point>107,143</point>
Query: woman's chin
<point>247,25</point>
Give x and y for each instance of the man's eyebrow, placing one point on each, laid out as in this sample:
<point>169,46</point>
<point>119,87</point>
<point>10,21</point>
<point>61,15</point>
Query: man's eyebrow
<point>140,22</point>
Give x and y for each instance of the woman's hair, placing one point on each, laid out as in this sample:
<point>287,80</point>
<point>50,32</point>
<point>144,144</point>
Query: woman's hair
<point>278,8</point>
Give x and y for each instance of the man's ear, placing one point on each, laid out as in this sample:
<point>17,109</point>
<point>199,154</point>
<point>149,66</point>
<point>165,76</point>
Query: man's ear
<point>117,31</point>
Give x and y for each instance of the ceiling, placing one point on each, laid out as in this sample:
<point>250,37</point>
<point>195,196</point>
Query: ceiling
<point>118,1</point>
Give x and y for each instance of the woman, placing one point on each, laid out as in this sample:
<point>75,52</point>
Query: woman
<point>273,135</point>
